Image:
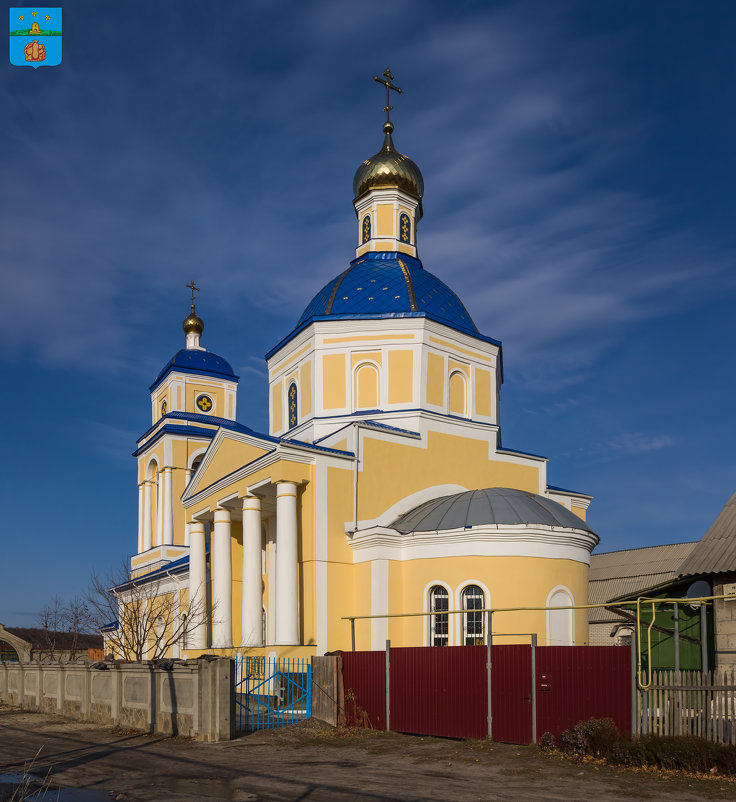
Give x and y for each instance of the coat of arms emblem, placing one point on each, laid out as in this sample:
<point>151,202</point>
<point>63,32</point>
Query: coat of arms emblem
<point>35,37</point>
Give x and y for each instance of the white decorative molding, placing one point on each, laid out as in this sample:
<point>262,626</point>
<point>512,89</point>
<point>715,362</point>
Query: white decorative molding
<point>407,504</point>
<point>488,540</point>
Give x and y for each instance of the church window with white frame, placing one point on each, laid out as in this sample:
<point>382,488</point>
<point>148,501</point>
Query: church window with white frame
<point>439,623</point>
<point>473,601</point>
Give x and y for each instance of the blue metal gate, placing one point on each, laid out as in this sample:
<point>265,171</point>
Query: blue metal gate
<point>271,693</point>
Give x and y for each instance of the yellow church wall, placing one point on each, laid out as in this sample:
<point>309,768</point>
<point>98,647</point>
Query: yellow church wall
<point>333,377</point>
<point>435,379</point>
<point>366,356</point>
<point>579,511</point>
<point>458,393</point>
<point>215,391</point>
<point>400,376</point>
<point>278,367</point>
<point>366,393</point>
<point>453,365</point>
<point>277,414</point>
<point>231,454</point>
<point>384,220</point>
<point>307,587</point>
<point>339,510</point>
<point>460,350</point>
<point>305,389</point>
<point>482,392</point>
<point>392,471</point>
<point>509,582</point>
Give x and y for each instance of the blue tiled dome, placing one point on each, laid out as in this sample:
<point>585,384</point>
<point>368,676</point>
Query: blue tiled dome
<point>194,360</point>
<point>388,284</point>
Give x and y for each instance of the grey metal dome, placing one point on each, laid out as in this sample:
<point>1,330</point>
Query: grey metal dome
<point>494,505</point>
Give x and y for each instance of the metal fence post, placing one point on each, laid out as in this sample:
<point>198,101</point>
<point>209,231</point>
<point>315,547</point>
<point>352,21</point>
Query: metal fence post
<point>489,641</point>
<point>534,687</point>
<point>676,618</point>
<point>634,690</point>
<point>352,632</point>
<point>704,638</point>
<point>388,685</point>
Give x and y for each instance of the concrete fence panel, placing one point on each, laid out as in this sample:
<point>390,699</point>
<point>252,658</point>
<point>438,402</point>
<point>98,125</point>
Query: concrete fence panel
<point>194,699</point>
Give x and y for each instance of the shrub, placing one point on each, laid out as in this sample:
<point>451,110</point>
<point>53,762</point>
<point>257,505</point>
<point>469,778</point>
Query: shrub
<point>547,742</point>
<point>681,752</point>
<point>593,737</point>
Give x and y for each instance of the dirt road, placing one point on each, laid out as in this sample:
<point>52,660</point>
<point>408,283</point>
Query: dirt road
<point>315,762</point>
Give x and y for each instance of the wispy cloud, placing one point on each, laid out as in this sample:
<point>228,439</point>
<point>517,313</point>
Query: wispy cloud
<point>532,211</point>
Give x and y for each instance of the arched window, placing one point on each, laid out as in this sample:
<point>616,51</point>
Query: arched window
<point>293,405</point>
<point>366,387</point>
<point>473,601</point>
<point>404,228</point>
<point>365,234</point>
<point>560,622</point>
<point>458,394</point>
<point>439,624</point>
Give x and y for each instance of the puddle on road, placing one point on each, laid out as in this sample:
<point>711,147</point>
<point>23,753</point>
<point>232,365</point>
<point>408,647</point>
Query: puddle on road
<point>52,794</point>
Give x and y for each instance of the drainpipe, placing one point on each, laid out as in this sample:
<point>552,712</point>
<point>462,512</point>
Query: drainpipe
<point>356,428</point>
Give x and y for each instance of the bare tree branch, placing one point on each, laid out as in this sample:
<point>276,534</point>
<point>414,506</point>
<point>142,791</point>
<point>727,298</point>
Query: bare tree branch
<point>148,613</point>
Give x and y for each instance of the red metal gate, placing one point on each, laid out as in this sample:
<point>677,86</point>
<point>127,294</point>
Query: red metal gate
<point>439,691</point>
<point>575,683</point>
<point>444,691</point>
<point>511,694</point>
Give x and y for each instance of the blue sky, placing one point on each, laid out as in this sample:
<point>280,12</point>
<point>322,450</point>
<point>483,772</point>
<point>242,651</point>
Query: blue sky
<point>579,197</point>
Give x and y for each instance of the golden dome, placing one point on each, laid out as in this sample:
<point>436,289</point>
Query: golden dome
<point>193,323</point>
<point>389,168</point>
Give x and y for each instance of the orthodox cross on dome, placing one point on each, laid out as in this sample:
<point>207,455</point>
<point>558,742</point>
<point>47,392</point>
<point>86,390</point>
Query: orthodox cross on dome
<point>194,288</point>
<point>386,81</point>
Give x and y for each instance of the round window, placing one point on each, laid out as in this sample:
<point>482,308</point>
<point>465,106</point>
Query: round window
<point>204,403</point>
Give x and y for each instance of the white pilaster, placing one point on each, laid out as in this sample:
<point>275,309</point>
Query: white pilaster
<point>222,596</point>
<point>287,605</point>
<point>159,508</point>
<point>168,519</point>
<point>141,507</point>
<point>147,514</point>
<point>252,629</point>
<point>197,635</point>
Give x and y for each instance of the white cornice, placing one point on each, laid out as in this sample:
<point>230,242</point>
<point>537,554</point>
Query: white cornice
<point>382,543</point>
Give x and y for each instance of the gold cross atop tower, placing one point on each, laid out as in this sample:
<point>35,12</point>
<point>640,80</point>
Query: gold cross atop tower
<point>386,81</point>
<point>194,288</point>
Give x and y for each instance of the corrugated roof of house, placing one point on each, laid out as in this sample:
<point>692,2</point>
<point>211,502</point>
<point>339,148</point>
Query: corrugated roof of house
<point>620,573</point>
<point>715,552</point>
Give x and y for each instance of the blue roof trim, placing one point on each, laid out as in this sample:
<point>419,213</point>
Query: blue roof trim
<point>111,627</point>
<point>315,447</point>
<point>505,450</point>
<point>193,360</point>
<point>556,489</point>
<point>374,424</point>
<point>189,431</point>
<point>193,416</point>
<point>175,566</point>
<point>382,316</point>
<point>358,416</point>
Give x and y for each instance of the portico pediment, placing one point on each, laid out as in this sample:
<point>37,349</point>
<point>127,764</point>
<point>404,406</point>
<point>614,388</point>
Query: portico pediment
<point>227,452</point>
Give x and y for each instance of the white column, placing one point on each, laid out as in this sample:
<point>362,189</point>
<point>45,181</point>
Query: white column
<point>287,605</point>
<point>147,513</point>
<point>159,507</point>
<point>252,629</point>
<point>168,519</point>
<point>222,585</point>
<point>141,493</point>
<point>197,635</point>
